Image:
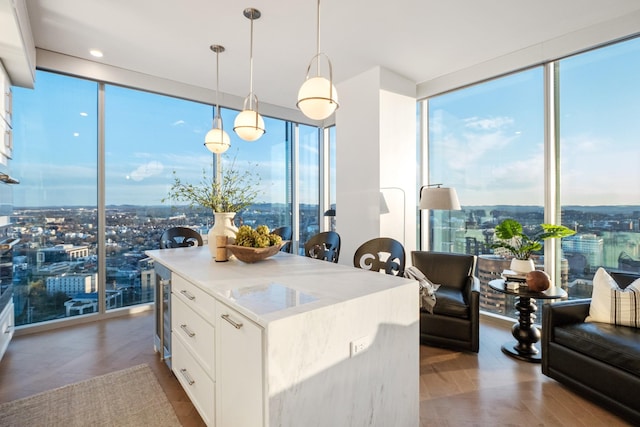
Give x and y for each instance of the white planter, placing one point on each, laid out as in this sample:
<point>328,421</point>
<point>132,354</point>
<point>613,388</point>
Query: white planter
<point>223,226</point>
<point>522,266</point>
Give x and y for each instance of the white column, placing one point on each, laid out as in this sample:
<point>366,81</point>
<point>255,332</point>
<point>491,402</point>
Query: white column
<point>375,153</point>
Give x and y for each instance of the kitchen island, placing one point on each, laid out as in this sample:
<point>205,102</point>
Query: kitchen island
<point>292,341</point>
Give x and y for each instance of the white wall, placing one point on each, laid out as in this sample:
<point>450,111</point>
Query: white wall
<point>375,149</point>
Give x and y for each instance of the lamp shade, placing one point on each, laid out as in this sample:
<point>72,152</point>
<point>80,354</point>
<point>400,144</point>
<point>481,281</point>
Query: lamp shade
<point>217,141</point>
<point>249,125</point>
<point>439,198</point>
<point>317,98</point>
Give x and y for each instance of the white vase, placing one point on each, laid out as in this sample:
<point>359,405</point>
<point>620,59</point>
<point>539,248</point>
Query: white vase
<point>522,266</point>
<point>223,226</point>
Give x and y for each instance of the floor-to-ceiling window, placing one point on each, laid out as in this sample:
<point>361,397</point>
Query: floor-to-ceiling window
<point>487,141</point>
<point>599,104</point>
<point>55,205</point>
<point>308,182</point>
<point>148,140</point>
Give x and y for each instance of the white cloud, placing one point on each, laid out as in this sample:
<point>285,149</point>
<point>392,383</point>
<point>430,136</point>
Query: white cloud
<point>146,170</point>
<point>487,124</point>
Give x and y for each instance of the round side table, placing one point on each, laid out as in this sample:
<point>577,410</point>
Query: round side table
<point>524,330</point>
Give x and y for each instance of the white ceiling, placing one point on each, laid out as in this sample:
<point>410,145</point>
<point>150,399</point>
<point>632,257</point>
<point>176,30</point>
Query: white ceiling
<point>417,39</point>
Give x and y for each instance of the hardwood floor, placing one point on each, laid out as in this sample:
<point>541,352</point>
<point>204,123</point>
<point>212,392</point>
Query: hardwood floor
<point>456,389</point>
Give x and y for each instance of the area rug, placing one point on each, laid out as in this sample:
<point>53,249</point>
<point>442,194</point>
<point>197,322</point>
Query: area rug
<point>131,397</point>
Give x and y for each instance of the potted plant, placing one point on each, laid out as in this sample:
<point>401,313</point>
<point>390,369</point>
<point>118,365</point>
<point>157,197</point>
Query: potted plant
<point>234,192</point>
<point>512,237</point>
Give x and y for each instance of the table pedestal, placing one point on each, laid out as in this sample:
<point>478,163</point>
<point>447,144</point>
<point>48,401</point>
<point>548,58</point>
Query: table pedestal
<point>525,333</point>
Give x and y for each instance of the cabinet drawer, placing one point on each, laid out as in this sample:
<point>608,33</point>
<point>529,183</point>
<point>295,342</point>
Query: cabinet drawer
<point>6,328</point>
<point>195,298</point>
<point>194,380</point>
<point>239,373</point>
<point>196,334</point>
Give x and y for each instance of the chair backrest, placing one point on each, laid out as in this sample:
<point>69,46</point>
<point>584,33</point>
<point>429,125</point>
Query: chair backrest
<point>443,268</point>
<point>287,234</point>
<point>180,237</point>
<point>381,254</point>
<point>325,246</point>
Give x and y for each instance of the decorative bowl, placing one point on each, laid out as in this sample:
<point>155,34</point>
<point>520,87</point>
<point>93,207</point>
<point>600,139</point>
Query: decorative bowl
<point>249,255</point>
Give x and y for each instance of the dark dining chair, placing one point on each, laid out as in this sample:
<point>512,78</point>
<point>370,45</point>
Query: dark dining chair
<point>287,234</point>
<point>455,321</point>
<point>180,237</point>
<point>324,246</point>
<point>381,254</point>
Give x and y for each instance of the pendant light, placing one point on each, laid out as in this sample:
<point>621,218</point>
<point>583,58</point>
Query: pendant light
<point>217,140</point>
<point>249,124</point>
<point>317,97</point>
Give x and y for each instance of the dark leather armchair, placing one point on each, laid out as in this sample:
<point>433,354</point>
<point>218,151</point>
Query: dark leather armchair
<point>324,246</point>
<point>180,237</point>
<point>381,254</point>
<point>287,234</point>
<point>455,321</point>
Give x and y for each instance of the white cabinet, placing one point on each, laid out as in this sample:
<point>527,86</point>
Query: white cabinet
<point>6,144</point>
<point>216,355</point>
<point>6,328</point>
<point>193,344</point>
<point>239,370</point>
<point>272,344</point>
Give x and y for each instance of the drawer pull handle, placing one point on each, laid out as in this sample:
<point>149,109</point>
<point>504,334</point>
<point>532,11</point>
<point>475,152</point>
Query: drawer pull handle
<point>228,319</point>
<point>187,377</point>
<point>187,294</point>
<point>188,331</point>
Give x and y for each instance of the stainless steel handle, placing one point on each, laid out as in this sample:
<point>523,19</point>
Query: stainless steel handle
<point>187,294</point>
<point>187,377</point>
<point>188,331</point>
<point>228,319</point>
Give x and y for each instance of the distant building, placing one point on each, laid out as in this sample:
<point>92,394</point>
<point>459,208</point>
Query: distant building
<point>71,284</point>
<point>61,253</point>
<point>588,245</point>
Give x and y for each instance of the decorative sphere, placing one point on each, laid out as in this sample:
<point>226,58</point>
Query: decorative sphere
<point>317,98</point>
<point>537,281</point>
<point>217,141</point>
<point>249,125</point>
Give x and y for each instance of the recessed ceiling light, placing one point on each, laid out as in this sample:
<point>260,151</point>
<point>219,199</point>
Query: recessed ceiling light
<point>97,53</point>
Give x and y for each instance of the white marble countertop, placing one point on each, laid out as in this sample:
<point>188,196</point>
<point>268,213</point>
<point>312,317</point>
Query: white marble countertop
<point>278,287</point>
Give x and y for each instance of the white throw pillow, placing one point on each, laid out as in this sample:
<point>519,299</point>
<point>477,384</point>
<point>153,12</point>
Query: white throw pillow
<point>611,304</point>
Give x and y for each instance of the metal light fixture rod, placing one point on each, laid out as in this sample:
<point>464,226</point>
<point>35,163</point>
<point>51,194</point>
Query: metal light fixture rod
<point>317,97</point>
<point>217,120</point>
<point>318,39</point>
<point>251,14</point>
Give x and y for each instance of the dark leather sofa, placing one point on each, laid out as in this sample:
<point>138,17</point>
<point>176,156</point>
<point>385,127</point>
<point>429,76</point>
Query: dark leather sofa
<point>598,360</point>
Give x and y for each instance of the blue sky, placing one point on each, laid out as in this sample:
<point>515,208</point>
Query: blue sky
<point>487,139</point>
<point>491,135</point>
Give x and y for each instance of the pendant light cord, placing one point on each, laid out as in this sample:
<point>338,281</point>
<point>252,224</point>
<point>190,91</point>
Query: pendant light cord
<point>318,37</point>
<point>251,67</point>
<point>217,83</point>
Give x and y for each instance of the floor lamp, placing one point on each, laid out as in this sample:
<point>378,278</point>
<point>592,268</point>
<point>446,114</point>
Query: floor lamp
<point>436,197</point>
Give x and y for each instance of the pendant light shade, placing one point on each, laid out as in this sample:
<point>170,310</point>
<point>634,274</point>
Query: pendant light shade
<point>249,124</point>
<point>217,140</point>
<point>317,97</point>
